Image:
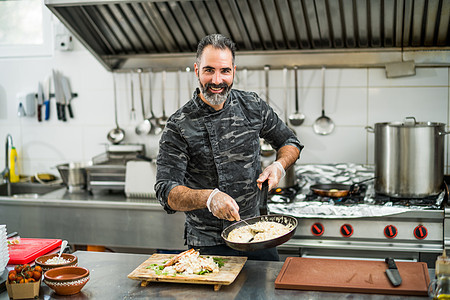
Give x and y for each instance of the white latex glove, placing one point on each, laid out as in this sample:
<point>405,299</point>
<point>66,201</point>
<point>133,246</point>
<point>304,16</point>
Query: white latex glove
<point>223,206</point>
<point>275,172</point>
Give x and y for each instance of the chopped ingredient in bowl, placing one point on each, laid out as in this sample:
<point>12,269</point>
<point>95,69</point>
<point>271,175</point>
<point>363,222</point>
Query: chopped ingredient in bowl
<point>57,261</point>
<point>260,231</point>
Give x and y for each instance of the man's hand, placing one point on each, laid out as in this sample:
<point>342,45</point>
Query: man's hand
<point>223,206</point>
<point>275,172</point>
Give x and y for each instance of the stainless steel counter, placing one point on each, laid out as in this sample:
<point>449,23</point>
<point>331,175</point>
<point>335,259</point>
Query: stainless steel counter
<point>102,218</point>
<point>108,280</point>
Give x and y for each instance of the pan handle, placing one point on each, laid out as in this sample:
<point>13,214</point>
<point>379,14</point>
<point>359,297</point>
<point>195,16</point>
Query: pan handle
<point>369,129</point>
<point>263,200</point>
<point>355,186</point>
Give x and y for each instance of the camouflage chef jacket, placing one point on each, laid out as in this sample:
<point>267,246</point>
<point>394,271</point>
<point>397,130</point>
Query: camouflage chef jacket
<point>202,148</point>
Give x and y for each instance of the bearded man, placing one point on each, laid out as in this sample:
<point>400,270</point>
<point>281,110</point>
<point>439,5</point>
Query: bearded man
<point>209,164</point>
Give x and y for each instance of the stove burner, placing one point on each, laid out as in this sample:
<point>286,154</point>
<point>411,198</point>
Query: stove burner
<point>429,202</point>
<point>286,195</point>
<point>296,193</point>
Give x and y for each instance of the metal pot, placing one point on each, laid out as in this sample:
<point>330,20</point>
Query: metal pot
<point>73,175</point>
<point>409,158</point>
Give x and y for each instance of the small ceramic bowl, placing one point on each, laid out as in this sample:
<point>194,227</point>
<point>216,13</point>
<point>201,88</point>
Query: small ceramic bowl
<point>66,280</point>
<point>42,261</point>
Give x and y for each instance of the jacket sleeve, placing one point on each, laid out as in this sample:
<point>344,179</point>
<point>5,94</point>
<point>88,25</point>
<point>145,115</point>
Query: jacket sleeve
<point>171,163</point>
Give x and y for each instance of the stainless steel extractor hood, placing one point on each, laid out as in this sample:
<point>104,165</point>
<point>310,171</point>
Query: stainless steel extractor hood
<point>163,34</point>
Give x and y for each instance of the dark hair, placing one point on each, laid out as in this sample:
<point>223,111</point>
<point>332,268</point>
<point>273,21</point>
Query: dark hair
<point>218,41</point>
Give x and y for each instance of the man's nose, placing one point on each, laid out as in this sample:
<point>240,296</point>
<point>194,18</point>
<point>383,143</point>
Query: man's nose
<point>217,78</point>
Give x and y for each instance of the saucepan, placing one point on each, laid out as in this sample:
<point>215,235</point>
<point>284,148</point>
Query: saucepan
<point>253,246</point>
<point>336,190</point>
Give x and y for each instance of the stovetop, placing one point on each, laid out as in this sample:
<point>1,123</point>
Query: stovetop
<point>299,199</point>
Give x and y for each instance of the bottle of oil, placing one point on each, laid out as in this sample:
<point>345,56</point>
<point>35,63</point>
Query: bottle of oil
<point>14,168</point>
<point>439,288</point>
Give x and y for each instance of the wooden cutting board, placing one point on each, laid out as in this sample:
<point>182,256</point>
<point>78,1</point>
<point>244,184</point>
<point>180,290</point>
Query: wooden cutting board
<point>355,276</point>
<point>227,274</point>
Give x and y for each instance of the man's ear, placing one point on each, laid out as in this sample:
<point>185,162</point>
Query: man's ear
<point>196,70</point>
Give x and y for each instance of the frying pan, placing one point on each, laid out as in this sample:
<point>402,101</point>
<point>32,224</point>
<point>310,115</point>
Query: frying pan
<point>253,246</point>
<point>336,190</point>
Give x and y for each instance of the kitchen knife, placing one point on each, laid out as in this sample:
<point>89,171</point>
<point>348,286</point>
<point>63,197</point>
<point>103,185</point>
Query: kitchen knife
<point>40,101</point>
<point>47,89</point>
<point>57,95</point>
<point>67,94</point>
<point>63,97</point>
<point>392,272</point>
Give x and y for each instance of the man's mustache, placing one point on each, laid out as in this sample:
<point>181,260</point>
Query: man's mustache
<point>216,86</point>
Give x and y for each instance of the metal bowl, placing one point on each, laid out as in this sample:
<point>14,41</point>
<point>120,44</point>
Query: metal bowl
<point>73,175</point>
<point>253,246</point>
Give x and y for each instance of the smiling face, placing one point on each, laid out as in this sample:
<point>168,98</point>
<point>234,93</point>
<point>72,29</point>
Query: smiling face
<point>215,72</point>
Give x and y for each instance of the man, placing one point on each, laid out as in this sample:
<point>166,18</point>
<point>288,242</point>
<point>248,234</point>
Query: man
<point>208,164</point>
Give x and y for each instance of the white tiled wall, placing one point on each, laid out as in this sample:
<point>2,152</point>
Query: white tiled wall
<point>354,99</point>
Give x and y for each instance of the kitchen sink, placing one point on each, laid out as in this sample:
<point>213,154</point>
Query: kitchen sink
<point>27,189</point>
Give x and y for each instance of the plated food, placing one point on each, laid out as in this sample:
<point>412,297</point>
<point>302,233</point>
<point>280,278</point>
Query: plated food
<point>258,232</point>
<point>156,269</point>
<point>188,262</point>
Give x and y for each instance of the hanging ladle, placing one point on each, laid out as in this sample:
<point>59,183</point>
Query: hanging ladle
<point>163,119</point>
<point>296,118</point>
<point>145,126</point>
<point>117,134</point>
<point>266,148</point>
<point>156,129</point>
<point>133,110</point>
<point>323,125</point>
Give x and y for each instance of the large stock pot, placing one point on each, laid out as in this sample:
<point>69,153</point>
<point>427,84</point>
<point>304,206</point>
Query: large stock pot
<point>409,158</point>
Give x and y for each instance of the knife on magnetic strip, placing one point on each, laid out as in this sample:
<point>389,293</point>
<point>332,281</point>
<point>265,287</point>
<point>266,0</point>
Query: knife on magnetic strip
<point>40,101</point>
<point>392,272</point>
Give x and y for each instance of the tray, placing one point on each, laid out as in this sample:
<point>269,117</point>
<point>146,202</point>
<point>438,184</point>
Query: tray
<point>354,276</point>
<point>30,249</point>
<point>227,274</point>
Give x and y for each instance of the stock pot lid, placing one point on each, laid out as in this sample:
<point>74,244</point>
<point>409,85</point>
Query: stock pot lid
<point>410,124</point>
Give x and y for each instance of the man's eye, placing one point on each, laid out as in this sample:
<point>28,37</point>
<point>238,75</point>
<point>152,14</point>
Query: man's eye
<point>209,70</point>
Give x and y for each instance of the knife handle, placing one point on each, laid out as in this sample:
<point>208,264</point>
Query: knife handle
<point>263,200</point>
<point>63,112</point>
<point>391,263</point>
<point>69,108</point>
<point>39,114</point>
<point>58,110</point>
<point>47,109</point>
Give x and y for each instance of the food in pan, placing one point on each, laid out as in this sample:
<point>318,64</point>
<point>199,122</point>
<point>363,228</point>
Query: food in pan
<point>188,262</point>
<point>260,231</point>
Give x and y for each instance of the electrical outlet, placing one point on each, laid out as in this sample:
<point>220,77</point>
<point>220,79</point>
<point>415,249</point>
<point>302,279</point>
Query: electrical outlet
<point>63,42</point>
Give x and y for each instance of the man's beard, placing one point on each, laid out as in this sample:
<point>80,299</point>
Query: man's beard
<point>213,98</point>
